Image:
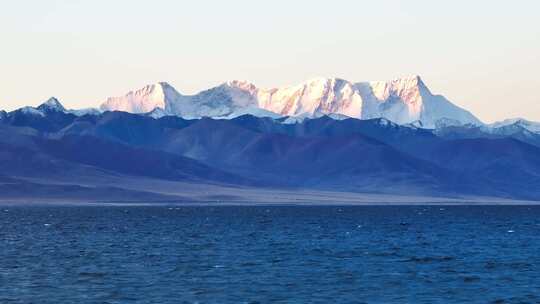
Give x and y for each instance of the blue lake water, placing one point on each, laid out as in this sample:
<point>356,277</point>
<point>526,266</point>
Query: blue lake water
<point>393,254</point>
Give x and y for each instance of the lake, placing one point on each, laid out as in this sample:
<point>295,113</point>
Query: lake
<point>278,254</point>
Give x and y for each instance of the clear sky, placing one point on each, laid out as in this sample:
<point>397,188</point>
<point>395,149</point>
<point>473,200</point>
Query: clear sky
<point>482,55</point>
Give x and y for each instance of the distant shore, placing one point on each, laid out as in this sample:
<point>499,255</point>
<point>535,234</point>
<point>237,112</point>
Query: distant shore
<point>356,200</point>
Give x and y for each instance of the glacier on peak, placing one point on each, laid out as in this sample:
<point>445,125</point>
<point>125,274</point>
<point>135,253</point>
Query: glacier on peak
<point>402,100</point>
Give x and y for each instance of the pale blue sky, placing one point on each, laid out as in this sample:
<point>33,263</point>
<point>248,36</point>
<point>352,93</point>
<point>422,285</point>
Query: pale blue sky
<point>482,55</point>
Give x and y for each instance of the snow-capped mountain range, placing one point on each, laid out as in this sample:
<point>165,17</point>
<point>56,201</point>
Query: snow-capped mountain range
<point>405,100</point>
<point>456,155</point>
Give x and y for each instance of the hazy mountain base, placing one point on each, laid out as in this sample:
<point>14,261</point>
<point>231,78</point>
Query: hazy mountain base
<point>143,191</point>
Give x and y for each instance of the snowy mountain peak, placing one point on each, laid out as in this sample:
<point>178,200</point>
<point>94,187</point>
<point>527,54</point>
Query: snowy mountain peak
<point>517,122</point>
<point>408,99</point>
<point>146,99</point>
<point>52,104</point>
<point>409,89</point>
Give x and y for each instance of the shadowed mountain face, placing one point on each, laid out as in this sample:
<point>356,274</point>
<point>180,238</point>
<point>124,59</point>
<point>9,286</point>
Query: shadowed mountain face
<point>507,164</point>
<point>47,121</point>
<point>375,156</point>
<point>39,156</point>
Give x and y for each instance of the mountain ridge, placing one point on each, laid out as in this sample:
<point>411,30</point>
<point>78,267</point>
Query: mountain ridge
<point>507,127</point>
<point>403,100</point>
<point>347,155</point>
